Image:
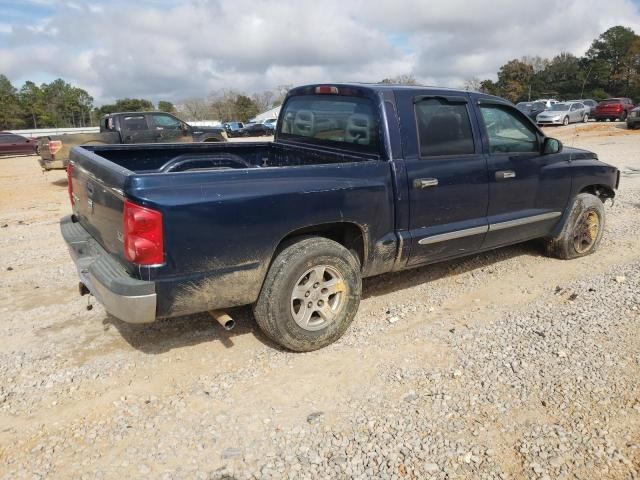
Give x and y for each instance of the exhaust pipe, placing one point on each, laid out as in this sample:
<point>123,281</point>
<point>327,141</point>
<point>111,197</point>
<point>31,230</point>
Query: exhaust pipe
<point>223,319</point>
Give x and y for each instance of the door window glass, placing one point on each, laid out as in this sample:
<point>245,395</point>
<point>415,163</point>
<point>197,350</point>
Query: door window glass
<point>507,132</point>
<point>443,128</point>
<point>166,121</point>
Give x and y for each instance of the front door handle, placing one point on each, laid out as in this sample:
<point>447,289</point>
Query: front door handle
<point>425,182</point>
<point>505,174</point>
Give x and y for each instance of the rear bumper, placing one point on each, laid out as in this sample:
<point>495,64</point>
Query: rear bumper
<point>129,299</point>
<point>51,164</point>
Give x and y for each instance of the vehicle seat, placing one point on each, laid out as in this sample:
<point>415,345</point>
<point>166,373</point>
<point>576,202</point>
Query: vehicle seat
<point>445,135</point>
<point>304,123</point>
<point>358,129</point>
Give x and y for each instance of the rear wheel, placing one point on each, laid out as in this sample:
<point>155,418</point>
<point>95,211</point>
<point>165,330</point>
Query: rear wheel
<point>565,122</point>
<point>582,231</point>
<point>585,119</point>
<point>310,295</point>
<point>623,117</point>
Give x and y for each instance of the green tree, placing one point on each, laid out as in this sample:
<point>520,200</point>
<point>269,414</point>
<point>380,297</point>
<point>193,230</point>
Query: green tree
<point>563,77</point>
<point>165,106</point>
<point>514,79</point>
<point>245,108</point>
<point>10,110</point>
<point>33,104</point>
<point>126,105</point>
<point>609,57</point>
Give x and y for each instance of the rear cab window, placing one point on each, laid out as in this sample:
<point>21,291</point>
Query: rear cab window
<point>134,122</point>
<point>346,122</point>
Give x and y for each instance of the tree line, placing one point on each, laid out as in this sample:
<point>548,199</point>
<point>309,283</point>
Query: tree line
<point>609,68</point>
<point>59,104</point>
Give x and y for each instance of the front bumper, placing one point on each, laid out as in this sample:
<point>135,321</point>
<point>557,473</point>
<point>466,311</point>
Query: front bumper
<point>633,121</point>
<point>129,299</point>
<point>549,121</point>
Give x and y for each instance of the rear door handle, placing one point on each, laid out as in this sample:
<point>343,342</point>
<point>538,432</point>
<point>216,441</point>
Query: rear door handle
<point>425,182</point>
<point>505,174</point>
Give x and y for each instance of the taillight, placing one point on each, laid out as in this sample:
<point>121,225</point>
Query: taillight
<point>327,90</point>
<point>70,182</point>
<point>54,146</point>
<point>143,236</point>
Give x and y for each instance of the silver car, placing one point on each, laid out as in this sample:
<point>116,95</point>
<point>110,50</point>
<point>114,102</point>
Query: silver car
<point>563,114</point>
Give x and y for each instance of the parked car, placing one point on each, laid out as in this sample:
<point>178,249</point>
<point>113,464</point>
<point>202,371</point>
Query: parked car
<point>13,144</point>
<point>256,130</point>
<point>127,127</point>
<point>271,123</point>
<point>588,103</point>
<point>563,114</point>
<point>633,120</point>
<point>548,101</point>
<point>532,109</point>
<point>292,226</point>
<point>613,109</point>
<point>233,129</point>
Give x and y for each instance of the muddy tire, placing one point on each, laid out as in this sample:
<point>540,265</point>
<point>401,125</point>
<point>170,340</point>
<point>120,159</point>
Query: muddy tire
<point>310,295</point>
<point>582,231</point>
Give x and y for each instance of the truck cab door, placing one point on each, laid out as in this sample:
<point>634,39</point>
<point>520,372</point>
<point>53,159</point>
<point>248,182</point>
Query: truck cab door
<point>447,175</point>
<point>528,189</point>
<point>134,128</point>
<point>168,129</point>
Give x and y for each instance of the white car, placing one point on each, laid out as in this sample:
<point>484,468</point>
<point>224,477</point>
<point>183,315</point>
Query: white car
<point>564,114</point>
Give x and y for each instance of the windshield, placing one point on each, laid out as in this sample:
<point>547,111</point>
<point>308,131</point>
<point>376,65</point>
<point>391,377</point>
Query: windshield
<point>539,106</point>
<point>559,107</point>
<point>610,101</point>
<point>524,106</point>
<point>332,120</point>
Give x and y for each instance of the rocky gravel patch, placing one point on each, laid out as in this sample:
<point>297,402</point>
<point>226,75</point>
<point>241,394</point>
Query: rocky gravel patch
<point>505,365</point>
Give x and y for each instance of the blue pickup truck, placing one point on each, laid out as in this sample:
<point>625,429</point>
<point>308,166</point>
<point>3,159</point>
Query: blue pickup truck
<point>360,180</point>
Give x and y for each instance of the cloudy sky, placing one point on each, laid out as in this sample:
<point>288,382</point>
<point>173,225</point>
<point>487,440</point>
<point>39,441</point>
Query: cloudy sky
<point>174,49</point>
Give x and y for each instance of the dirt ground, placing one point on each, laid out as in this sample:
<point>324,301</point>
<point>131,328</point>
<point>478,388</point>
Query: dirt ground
<point>85,395</point>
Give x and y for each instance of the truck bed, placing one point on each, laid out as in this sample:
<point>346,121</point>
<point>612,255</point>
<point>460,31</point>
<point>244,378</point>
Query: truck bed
<point>154,159</point>
<point>211,196</point>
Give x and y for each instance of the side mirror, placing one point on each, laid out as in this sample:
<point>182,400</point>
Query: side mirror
<point>551,145</point>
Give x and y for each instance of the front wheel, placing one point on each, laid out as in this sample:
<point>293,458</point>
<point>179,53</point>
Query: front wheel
<point>565,122</point>
<point>310,295</point>
<point>582,231</point>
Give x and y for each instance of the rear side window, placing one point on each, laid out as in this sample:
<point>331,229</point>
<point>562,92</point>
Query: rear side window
<point>443,128</point>
<point>136,122</point>
<point>338,121</point>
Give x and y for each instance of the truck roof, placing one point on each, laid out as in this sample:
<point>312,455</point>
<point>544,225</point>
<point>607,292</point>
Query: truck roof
<point>379,87</point>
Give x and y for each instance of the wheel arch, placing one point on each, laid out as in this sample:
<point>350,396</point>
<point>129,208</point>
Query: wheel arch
<point>348,234</point>
<point>603,192</point>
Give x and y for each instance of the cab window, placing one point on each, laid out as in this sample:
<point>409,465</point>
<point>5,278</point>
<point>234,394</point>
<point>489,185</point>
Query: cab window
<point>165,121</point>
<point>443,128</point>
<point>134,122</point>
<point>507,132</point>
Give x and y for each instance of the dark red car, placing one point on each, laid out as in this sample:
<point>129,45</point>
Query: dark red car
<point>613,109</point>
<point>12,144</point>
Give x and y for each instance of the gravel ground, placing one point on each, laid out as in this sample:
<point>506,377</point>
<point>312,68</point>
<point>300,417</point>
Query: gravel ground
<point>499,366</point>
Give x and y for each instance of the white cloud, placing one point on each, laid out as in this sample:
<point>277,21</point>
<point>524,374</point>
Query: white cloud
<point>161,49</point>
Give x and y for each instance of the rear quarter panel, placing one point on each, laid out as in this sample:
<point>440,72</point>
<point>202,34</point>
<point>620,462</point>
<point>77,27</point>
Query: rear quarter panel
<point>222,228</point>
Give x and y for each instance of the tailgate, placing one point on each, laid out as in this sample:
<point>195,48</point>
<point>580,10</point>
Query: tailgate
<point>98,199</point>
